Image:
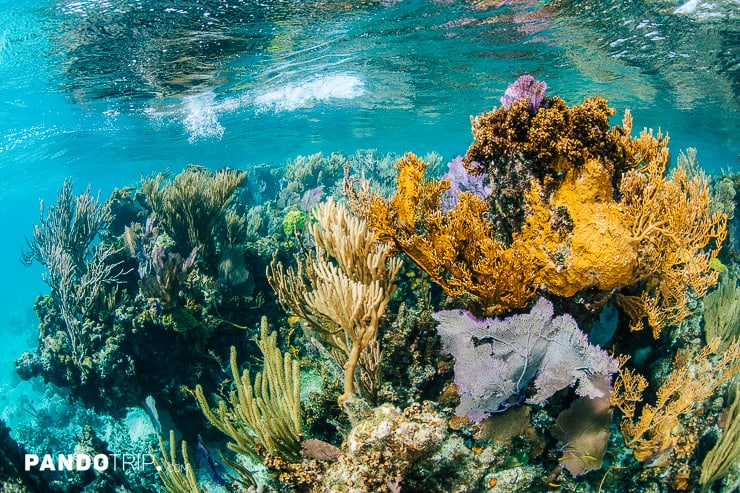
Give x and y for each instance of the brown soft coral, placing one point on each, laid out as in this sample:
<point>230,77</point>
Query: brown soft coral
<point>557,138</point>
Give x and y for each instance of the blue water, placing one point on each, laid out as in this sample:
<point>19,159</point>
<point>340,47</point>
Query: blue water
<point>105,91</point>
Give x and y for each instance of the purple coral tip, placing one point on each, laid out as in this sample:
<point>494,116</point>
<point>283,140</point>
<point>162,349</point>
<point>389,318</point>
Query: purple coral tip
<point>525,87</point>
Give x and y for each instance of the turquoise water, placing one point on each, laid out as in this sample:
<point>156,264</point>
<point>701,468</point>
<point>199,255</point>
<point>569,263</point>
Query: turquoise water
<point>105,91</point>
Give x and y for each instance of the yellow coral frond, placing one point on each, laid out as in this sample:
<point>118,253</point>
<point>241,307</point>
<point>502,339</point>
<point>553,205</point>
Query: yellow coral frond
<point>456,248</point>
<point>672,220</point>
<point>692,380</point>
<point>340,290</point>
<point>263,416</point>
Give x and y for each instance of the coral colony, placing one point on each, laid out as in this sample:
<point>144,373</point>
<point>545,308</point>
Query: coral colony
<point>379,324</point>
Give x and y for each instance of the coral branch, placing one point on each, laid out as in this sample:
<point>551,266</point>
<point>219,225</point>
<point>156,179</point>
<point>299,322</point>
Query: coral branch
<point>692,380</point>
<point>340,290</point>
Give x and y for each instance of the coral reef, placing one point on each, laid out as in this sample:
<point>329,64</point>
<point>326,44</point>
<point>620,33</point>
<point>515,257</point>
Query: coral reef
<point>596,208</point>
<point>341,302</point>
<point>387,376</point>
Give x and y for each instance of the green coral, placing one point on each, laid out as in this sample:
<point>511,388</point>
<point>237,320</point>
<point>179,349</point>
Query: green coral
<point>180,320</point>
<point>193,208</point>
<point>263,417</point>
<point>722,311</point>
<point>294,222</point>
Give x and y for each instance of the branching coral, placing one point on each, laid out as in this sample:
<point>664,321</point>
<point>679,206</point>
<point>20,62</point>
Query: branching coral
<point>724,454</point>
<point>692,380</point>
<point>176,478</point>
<point>340,290</point>
<point>264,417</point>
<point>576,206</point>
<point>722,312</point>
<point>192,208</point>
<point>76,272</point>
<point>672,221</point>
<point>456,248</point>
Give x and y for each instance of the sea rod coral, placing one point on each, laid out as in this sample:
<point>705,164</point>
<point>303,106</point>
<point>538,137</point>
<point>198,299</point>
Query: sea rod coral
<point>78,273</point>
<point>341,301</point>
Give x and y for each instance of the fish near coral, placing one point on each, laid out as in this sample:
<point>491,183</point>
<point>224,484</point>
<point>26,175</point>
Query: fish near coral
<point>233,272</point>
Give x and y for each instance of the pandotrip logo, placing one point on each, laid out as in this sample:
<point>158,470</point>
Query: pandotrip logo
<point>85,462</point>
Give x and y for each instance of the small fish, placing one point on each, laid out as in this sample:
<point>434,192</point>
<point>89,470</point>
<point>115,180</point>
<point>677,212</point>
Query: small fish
<point>205,458</point>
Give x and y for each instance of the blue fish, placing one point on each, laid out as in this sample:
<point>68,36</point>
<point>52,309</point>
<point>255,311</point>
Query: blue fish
<point>205,458</point>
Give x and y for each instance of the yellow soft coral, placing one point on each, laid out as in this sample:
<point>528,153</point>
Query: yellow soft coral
<point>597,213</point>
<point>456,248</point>
<point>599,251</point>
<point>656,430</point>
<point>672,221</point>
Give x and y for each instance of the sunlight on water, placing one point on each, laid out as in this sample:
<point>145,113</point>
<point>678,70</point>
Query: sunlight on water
<point>200,116</point>
<point>303,94</point>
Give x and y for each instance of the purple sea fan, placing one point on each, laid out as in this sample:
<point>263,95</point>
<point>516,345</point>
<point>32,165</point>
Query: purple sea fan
<point>462,181</point>
<point>525,87</point>
<point>312,197</point>
<point>497,359</point>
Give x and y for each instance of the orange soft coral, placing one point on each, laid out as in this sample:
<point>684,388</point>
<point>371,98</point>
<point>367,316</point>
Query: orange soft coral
<point>583,207</point>
<point>457,248</point>
<point>656,429</point>
<point>672,221</point>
